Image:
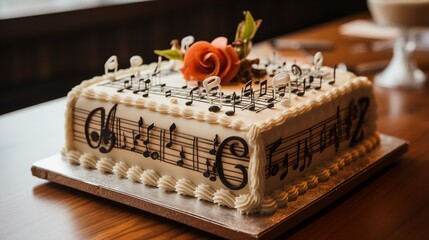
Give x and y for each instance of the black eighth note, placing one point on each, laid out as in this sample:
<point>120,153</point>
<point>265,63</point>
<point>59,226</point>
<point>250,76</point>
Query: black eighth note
<point>172,128</point>
<point>207,172</point>
<point>286,166</point>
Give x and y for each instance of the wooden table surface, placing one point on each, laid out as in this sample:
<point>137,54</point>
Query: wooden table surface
<point>393,204</point>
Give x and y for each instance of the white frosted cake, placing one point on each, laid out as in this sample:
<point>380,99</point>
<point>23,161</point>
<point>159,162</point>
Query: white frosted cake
<point>252,147</point>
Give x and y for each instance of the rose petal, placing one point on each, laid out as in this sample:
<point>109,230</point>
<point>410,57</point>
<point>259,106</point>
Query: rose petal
<point>234,64</point>
<point>220,42</point>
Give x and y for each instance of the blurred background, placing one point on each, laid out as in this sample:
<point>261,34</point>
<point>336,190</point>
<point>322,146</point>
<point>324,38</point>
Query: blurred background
<point>49,46</point>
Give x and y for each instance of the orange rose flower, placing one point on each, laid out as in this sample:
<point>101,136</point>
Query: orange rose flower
<point>204,59</point>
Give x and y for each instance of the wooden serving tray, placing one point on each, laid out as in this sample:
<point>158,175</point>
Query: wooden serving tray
<point>210,217</point>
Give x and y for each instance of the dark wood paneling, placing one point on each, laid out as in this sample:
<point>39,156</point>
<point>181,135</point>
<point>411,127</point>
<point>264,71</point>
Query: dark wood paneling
<point>42,57</point>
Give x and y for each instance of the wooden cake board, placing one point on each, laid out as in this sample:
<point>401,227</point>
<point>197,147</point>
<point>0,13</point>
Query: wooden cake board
<point>210,217</point>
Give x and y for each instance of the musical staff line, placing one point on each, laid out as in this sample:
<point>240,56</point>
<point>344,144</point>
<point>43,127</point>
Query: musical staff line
<point>297,150</point>
<point>131,136</point>
<point>250,99</point>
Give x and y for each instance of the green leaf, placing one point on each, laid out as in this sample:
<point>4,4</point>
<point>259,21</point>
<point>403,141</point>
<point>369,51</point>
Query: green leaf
<point>249,27</point>
<point>170,54</point>
<point>239,31</point>
<point>257,24</point>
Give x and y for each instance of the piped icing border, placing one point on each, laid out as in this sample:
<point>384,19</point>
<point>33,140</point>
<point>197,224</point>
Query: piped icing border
<point>268,204</point>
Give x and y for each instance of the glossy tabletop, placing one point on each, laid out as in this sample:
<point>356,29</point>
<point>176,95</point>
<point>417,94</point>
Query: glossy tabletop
<point>394,204</point>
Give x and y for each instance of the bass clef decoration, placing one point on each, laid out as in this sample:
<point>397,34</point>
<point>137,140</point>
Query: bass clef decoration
<point>105,139</point>
<point>235,142</point>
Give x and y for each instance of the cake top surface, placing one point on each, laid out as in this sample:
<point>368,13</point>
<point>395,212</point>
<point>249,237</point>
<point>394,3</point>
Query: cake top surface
<point>158,87</point>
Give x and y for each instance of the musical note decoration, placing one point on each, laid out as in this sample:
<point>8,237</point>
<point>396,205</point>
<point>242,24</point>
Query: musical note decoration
<point>106,136</point>
<point>282,80</point>
<point>296,71</point>
<point>274,168</point>
<point>127,85</point>
<point>135,141</point>
<point>318,61</point>
<point>209,84</point>
<point>191,94</point>
<point>146,142</point>
<point>286,166</point>
<point>172,128</point>
<point>207,173</point>
<point>334,73</point>
<point>135,62</point>
<point>320,83</point>
<point>101,129</point>
<point>124,140</point>
<point>186,43</point>
<point>363,105</point>
<point>247,89</point>
<point>296,151</point>
<point>111,67</point>
<point>301,92</point>
<point>182,156</point>
<point>230,113</point>
<point>215,143</point>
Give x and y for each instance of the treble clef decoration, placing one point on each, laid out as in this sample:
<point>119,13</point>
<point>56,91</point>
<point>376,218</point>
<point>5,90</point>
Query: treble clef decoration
<point>106,137</point>
<point>237,153</point>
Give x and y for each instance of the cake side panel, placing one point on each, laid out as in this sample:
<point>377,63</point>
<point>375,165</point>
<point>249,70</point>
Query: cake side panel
<point>308,142</point>
<point>170,145</point>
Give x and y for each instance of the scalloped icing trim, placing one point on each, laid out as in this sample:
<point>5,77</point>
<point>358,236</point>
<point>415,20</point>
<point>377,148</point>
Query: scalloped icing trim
<point>269,204</point>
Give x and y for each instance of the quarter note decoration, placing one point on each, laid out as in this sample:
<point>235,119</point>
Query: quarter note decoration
<point>301,92</point>
<point>191,93</point>
<point>182,156</point>
<point>233,142</point>
<point>124,140</point>
<point>230,113</point>
<point>105,139</point>
<point>135,142</point>
<point>140,125</point>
